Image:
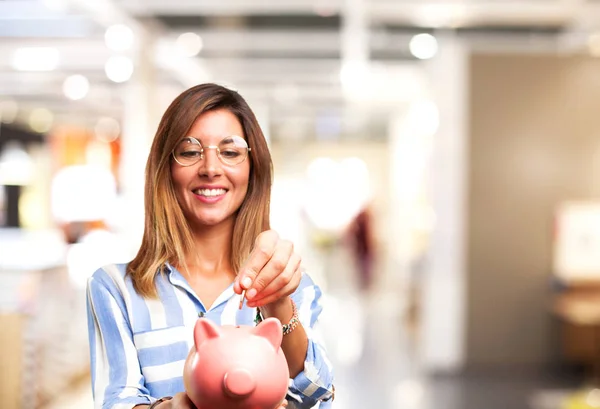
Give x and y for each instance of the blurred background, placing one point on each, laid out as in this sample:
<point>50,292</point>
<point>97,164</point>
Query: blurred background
<point>437,164</point>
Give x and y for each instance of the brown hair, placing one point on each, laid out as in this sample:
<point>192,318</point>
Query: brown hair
<point>167,236</point>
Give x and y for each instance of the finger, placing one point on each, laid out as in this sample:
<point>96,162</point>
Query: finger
<point>280,281</point>
<point>283,292</point>
<point>264,247</point>
<point>181,401</point>
<point>287,291</point>
<point>276,265</point>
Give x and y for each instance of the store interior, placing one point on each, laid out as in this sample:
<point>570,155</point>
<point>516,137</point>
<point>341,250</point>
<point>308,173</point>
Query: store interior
<point>455,141</point>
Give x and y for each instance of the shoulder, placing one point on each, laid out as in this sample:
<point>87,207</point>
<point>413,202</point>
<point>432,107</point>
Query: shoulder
<point>110,290</point>
<point>111,277</point>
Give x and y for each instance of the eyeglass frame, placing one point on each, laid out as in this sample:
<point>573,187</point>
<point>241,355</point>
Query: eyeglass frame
<point>202,148</point>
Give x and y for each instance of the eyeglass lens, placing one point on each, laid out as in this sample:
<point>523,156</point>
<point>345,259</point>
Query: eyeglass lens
<point>232,150</point>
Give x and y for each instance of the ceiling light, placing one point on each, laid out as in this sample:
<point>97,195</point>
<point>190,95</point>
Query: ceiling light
<point>189,44</point>
<point>119,37</point>
<point>107,129</point>
<point>16,166</point>
<point>119,68</point>
<point>423,46</point>
<point>76,87</point>
<point>35,59</point>
<point>40,120</point>
<point>82,193</point>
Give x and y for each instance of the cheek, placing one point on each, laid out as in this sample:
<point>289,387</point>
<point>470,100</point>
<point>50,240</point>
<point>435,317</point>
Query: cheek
<point>176,185</point>
<point>242,180</point>
<point>178,178</point>
<point>175,176</point>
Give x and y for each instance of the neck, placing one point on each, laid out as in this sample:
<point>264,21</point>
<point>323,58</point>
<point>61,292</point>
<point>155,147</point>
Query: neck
<point>213,250</point>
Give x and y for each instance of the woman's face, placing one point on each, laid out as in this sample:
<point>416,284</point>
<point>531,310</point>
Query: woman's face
<point>210,192</point>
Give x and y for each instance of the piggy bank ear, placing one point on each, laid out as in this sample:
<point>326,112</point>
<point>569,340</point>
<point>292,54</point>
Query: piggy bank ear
<point>271,330</point>
<point>205,329</point>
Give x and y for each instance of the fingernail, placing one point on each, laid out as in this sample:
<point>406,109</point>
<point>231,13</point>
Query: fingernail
<point>246,282</point>
<point>250,294</point>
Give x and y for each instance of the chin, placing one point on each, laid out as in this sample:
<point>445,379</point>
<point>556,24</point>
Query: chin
<point>211,221</point>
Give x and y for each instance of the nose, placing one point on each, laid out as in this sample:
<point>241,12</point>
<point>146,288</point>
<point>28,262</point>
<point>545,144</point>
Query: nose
<point>210,165</point>
<point>239,383</point>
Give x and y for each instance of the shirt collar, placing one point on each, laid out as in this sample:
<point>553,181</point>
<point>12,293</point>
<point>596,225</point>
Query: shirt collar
<point>176,278</point>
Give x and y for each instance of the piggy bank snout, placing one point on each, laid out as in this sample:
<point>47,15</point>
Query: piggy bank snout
<point>239,383</point>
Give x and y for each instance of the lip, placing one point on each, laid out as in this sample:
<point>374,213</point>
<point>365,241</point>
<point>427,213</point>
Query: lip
<point>209,187</point>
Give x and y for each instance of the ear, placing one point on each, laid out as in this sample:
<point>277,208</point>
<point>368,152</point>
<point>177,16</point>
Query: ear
<point>205,329</point>
<point>271,330</point>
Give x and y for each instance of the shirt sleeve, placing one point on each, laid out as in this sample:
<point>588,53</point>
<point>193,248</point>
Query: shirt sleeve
<point>117,382</point>
<point>315,383</point>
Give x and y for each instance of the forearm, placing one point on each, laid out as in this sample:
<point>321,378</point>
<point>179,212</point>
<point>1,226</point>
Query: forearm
<point>295,344</point>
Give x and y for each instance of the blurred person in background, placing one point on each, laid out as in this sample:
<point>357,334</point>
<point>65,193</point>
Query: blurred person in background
<point>359,238</point>
<point>207,239</point>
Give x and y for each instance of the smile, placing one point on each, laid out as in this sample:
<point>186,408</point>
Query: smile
<point>210,192</point>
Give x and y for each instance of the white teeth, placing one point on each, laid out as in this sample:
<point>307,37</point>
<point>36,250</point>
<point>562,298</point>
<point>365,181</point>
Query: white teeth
<point>210,192</point>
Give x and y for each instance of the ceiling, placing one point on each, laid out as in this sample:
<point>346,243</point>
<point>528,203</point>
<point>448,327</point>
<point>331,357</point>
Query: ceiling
<point>285,56</point>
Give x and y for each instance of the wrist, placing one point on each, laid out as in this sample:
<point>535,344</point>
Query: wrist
<point>280,309</point>
<point>287,314</point>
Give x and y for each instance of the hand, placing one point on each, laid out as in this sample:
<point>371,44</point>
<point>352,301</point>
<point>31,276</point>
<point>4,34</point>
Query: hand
<point>179,401</point>
<point>271,273</point>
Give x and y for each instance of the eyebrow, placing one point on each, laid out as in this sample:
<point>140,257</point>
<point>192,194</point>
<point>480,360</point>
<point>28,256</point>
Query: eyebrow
<point>226,139</point>
<point>188,137</point>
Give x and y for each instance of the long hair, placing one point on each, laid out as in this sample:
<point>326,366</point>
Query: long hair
<point>167,236</point>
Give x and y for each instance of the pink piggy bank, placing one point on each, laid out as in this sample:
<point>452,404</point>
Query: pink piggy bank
<point>236,367</point>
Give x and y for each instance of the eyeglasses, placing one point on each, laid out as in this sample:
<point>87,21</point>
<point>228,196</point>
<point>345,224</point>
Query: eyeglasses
<point>232,150</point>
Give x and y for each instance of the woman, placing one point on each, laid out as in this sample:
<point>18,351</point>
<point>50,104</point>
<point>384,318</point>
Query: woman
<point>206,241</point>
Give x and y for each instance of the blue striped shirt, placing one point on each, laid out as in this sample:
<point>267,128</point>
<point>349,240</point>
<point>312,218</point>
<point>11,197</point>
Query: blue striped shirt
<point>138,346</point>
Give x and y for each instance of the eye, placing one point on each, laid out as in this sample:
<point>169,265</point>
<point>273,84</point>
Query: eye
<point>230,153</point>
<point>190,154</point>
<point>188,148</point>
